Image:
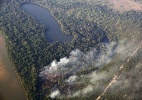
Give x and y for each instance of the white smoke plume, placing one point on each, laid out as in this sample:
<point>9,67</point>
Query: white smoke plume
<point>93,81</point>
<point>79,61</point>
<point>55,94</point>
<point>72,79</point>
<point>83,92</point>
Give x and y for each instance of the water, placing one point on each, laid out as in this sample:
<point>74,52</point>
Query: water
<point>10,86</point>
<point>42,14</point>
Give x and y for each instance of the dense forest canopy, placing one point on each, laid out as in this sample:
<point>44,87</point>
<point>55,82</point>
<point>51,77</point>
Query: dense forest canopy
<point>88,21</point>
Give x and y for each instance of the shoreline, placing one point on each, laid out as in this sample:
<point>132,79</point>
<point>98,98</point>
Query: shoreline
<point>2,36</point>
<point>58,21</point>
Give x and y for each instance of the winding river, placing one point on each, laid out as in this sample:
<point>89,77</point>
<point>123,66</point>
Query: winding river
<point>42,14</point>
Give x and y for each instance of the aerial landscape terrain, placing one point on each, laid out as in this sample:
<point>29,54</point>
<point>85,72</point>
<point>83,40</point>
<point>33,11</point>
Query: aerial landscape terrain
<point>70,49</point>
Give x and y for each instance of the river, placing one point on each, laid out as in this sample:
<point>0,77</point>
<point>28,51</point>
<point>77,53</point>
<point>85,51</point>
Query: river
<point>10,85</point>
<point>42,14</point>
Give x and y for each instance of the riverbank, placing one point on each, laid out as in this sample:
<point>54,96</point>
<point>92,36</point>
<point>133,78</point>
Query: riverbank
<point>10,86</point>
<point>54,31</point>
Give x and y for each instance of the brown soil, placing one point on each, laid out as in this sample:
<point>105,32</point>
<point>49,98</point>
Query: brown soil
<point>125,5</point>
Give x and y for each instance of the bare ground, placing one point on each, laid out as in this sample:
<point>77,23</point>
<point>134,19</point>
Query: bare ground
<point>125,5</point>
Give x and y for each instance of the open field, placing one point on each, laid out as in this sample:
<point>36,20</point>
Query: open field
<point>125,5</point>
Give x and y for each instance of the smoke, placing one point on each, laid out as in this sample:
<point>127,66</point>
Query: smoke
<point>129,82</point>
<point>72,79</point>
<point>83,92</point>
<point>78,61</point>
<point>55,94</point>
<point>76,83</point>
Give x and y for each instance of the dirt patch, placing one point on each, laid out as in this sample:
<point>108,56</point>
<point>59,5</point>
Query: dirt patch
<point>125,5</point>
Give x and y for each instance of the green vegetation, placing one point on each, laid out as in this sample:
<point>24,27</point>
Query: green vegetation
<point>89,23</point>
<point>85,17</point>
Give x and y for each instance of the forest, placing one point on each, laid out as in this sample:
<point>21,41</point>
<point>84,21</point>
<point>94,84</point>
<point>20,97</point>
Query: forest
<point>88,23</point>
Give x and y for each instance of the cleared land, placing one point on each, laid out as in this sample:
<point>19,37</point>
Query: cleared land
<point>125,5</point>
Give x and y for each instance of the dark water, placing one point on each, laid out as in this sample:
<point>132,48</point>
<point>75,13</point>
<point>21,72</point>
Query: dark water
<point>105,39</point>
<point>53,32</point>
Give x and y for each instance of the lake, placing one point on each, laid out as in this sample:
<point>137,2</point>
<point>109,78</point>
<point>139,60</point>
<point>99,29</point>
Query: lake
<point>10,85</point>
<point>42,14</point>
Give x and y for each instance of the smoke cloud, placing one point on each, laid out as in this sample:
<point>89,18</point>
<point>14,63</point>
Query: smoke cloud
<point>78,61</point>
<point>55,94</point>
<point>72,79</point>
<point>76,83</point>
